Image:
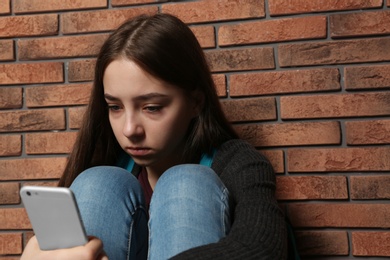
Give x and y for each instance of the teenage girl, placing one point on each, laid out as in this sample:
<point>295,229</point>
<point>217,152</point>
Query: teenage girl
<point>157,170</point>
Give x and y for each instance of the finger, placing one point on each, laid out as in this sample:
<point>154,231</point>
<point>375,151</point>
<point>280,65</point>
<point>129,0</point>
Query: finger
<point>33,241</point>
<point>95,245</point>
<point>31,249</point>
<point>102,256</point>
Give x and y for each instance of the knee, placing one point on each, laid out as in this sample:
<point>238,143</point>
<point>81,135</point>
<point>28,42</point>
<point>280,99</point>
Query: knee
<point>101,179</point>
<point>100,175</point>
<point>188,180</point>
<point>187,193</point>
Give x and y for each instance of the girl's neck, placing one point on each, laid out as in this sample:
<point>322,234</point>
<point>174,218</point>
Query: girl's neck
<point>154,172</point>
<point>152,178</point>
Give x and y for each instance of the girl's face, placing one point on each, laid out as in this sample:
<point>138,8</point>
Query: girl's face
<point>149,118</point>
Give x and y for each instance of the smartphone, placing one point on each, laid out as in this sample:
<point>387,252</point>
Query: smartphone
<point>54,217</point>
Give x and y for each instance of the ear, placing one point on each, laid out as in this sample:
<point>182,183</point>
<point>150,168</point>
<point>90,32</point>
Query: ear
<point>197,98</point>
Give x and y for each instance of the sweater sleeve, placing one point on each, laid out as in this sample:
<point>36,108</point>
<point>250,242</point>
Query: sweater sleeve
<point>258,230</point>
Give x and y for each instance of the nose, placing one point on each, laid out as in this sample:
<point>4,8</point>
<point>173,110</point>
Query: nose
<point>132,127</point>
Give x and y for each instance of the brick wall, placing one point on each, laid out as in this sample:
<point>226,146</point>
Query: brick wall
<point>306,82</point>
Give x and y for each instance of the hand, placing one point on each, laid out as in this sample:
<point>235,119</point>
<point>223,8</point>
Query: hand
<point>93,250</point>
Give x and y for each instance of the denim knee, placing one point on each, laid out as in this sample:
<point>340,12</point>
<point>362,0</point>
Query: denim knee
<point>189,178</point>
<point>112,207</point>
<point>189,208</point>
<point>102,175</point>
<point>109,183</point>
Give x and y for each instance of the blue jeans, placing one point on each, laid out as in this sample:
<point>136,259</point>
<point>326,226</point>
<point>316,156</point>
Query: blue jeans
<point>189,208</point>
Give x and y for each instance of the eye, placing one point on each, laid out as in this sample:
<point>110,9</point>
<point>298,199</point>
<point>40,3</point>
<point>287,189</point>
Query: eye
<point>153,108</point>
<point>113,108</point>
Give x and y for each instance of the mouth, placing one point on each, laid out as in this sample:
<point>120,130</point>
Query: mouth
<point>138,151</point>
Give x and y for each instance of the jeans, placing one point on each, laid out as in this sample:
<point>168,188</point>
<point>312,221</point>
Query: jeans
<point>189,208</point>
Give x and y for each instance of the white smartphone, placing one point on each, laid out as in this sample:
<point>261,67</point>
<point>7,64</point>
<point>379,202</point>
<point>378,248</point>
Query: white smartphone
<point>54,217</point>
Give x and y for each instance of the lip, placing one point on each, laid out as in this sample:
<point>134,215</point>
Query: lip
<point>138,151</point>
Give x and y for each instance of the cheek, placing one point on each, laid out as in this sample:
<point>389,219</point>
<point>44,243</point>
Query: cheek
<point>178,125</point>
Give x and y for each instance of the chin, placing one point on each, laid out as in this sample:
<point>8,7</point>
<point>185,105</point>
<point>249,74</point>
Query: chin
<point>142,162</point>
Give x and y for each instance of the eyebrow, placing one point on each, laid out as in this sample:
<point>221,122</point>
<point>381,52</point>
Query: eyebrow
<point>145,97</point>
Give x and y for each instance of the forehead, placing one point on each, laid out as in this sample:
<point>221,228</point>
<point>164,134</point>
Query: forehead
<point>124,78</point>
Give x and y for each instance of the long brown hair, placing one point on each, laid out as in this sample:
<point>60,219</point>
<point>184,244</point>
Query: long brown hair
<point>166,48</point>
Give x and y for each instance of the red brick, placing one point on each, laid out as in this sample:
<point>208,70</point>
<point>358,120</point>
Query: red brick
<point>75,116</point>
<point>81,70</point>
<point>370,187</point>
<point>10,243</point>
<point>30,73</point>
<point>241,59</point>
<point>277,30</point>
<point>31,120</point>
<point>60,47</point>
<point>10,145</point>
<point>311,187</point>
<point>276,158</point>
<point>41,183</point>
<point>281,7</point>
<point>334,52</point>
<point>218,10</point>
<point>5,6</point>
<point>354,215</point>
<point>368,132</point>
<point>102,20</point>
<point>220,84</point>
<point>370,243</point>
<point>29,6</point>
<point>10,258</point>
<point>367,77</point>
<point>60,95</point>
<point>340,105</point>
<point>287,134</point>
<point>49,143</point>
<point>369,23</point>
<point>7,50</point>
<point>29,25</point>
<point>388,2</point>
<point>252,109</point>
<point>134,2</point>
<point>317,243</point>
<point>291,81</point>
<point>32,169</point>
<point>11,97</point>
<point>205,35</point>
<point>9,193</point>
<point>338,159</point>
<point>14,219</point>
